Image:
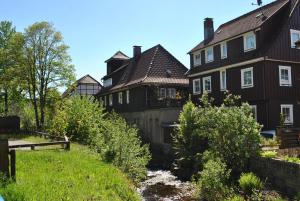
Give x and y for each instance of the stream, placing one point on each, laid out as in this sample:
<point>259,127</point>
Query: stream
<point>161,185</point>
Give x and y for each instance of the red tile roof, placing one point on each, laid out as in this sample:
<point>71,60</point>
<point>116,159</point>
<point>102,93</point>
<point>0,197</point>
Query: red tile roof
<point>154,66</point>
<point>243,24</point>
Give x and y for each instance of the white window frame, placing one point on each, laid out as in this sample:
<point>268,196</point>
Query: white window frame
<point>162,93</point>
<point>194,86</point>
<point>120,97</point>
<point>204,79</point>
<point>283,82</point>
<point>223,88</point>
<point>110,99</point>
<point>206,54</point>
<point>254,108</point>
<point>293,31</point>
<point>243,85</point>
<point>223,54</point>
<point>246,49</point>
<point>127,97</point>
<point>171,93</point>
<point>197,62</point>
<point>291,107</point>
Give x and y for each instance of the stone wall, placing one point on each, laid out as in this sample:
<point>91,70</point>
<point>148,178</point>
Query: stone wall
<point>282,175</point>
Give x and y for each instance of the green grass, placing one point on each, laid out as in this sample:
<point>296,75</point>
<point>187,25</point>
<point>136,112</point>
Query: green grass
<point>54,175</point>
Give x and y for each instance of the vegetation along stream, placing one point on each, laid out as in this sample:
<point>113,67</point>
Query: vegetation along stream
<point>161,185</point>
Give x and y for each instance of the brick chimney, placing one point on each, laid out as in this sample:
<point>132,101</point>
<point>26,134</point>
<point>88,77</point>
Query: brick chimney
<point>208,29</point>
<point>137,50</point>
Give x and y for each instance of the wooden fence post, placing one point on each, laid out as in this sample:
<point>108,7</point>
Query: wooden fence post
<point>4,159</point>
<point>67,146</point>
<point>13,164</point>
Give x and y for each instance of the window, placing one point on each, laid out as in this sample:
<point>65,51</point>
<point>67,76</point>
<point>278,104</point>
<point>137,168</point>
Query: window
<point>295,36</point>
<point>249,41</point>
<point>207,84</point>
<point>285,78</point>
<point>247,77</point>
<point>254,111</point>
<point>223,84</point>
<point>162,93</point>
<point>127,96</point>
<point>209,54</point>
<point>287,112</point>
<point>120,98</point>
<point>223,50</point>
<point>110,99</point>
<point>197,59</point>
<point>196,86</point>
<point>171,93</point>
<point>107,83</point>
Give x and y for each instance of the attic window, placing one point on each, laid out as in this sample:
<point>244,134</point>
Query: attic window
<point>259,15</point>
<point>169,73</point>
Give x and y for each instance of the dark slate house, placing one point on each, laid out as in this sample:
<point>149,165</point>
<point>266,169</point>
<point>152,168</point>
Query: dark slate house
<point>148,90</point>
<point>85,86</point>
<point>255,56</point>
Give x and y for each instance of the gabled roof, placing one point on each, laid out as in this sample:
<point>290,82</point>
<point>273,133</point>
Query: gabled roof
<point>244,23</point>
<point>118,56</point>
<point>154,66</point>
<point>87,79</point>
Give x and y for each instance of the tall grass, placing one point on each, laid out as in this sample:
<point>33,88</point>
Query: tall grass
<point>53,175</point>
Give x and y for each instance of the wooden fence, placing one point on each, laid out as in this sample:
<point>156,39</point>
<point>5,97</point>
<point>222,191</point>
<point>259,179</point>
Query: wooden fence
<point>8,152</point>
<point>289,137</point>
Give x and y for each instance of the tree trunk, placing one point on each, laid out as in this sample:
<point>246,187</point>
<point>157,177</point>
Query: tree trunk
<point>5,101</point>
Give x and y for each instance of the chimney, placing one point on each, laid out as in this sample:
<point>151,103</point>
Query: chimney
<point>208,29</point>
<point>137,50</point>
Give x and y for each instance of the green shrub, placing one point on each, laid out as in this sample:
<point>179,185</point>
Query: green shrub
<point>250,183</point>
<point>121,145</point>
<point>297,197</point>
<point>28,118</point>
<point>213,179</point>
<point>292,159</point>
<point>85,121</point>
<point>268,154</point>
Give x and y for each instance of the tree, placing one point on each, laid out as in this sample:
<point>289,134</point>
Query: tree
<point>47,65</point>
<point>11,44</point>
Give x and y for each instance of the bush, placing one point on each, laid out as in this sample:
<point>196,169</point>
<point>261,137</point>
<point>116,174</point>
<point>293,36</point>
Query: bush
<point>213,180</point>
<point>189,144</point>
<point>122,147</point>
<point>85,121</point>
<point>268,154</point>
<point>250,183</point>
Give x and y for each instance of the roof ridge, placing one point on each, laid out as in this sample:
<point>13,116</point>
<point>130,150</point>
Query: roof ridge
<point>249,13</point>
<point>151,63</point>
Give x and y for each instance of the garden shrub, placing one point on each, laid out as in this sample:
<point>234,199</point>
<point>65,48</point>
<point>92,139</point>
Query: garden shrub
<point>235,198</point>
<point>250,183</point>
<point>188,143</point>
<point>268,154</point>
<point>84,120</point>
<point>212,183</point>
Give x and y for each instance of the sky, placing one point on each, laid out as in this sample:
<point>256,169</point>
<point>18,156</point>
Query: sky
<point>96,29</point>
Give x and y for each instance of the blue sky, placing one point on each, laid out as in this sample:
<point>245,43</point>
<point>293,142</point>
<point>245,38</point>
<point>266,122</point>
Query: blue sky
<point>96,29</point>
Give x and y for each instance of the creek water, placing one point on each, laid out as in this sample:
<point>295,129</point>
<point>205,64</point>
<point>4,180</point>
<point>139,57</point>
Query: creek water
<point>161,185</point>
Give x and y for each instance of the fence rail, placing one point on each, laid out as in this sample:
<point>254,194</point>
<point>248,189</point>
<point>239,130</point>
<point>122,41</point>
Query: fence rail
<point>8,152</point>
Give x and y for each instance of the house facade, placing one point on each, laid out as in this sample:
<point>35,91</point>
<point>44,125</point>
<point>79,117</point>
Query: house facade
<point>255,56</point>
<point>148,90</point>
<point>85,86</point>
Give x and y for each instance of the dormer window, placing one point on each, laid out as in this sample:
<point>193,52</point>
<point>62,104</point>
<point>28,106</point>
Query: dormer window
<point>223,47</point>
<point>197,59</point>
<point>295,37</point>
<point>107,82</point>
<point>249,41</point>
<point>209,54</point>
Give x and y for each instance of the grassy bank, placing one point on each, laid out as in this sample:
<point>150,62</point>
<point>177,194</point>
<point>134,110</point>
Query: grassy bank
<point>60,175</point>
